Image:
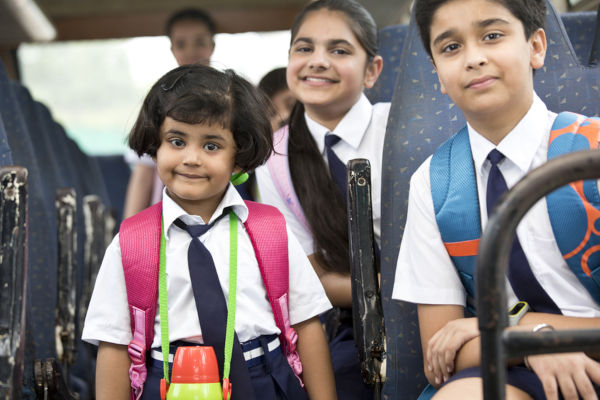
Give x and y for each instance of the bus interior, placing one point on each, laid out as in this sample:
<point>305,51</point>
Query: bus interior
<point>62,196</point>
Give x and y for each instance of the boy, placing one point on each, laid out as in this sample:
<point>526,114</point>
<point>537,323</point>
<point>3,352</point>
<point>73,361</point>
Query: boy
<point>484,52</point>
<point>191,33</point>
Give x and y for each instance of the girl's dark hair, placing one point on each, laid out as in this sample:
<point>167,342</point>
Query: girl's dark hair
<point>273,82</point>
<point>197,94</point>
<point>321,201</point>
<point>531,13</point>
<point>360,21</point>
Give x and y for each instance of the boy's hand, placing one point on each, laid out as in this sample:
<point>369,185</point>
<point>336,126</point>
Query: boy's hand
<point>445,343</point>
<point>573,373</point>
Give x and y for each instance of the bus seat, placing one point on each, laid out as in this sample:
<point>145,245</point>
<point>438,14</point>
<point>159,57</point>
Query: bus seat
<point>55,140</point>
<point>595,53</point>
<point>5,153</point>
<point>391,41</point>
<point>81,372</point>
<point>421,118</point>
<point>42,252</point>
<point>115,172</point>
<point>52,176</point>
<point>580,27</point>
<point>564,83</point>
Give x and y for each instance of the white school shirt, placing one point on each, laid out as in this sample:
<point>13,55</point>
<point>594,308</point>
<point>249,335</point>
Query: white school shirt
<point>108,320</point>
<point>425,273</point>
<point>362,133</point>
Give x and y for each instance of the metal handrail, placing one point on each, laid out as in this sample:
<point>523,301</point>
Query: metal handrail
<point>492,263</point>
<point>367,313</point>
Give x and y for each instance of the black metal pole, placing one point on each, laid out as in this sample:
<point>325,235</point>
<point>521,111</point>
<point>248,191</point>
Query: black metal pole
<point>494,251</point>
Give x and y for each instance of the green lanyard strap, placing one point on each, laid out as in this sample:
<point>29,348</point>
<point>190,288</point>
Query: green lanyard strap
<point>164,308</point>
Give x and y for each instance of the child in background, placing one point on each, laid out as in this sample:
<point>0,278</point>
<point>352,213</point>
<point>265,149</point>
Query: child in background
<point>191,32</point>
<point>274,85</point>
<point>332,58</point>
<point>485,52</point>
<point>201,126</point>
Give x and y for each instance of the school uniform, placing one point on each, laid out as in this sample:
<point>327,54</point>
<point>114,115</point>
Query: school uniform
<point>425,273</point>
<point>108,314</point>
<point>361,132</point>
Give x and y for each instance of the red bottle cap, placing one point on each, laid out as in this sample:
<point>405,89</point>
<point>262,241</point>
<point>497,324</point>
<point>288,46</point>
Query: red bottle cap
<point>195,364</point>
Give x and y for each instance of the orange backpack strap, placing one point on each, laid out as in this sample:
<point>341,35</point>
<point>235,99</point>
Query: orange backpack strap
<point>574,209</point>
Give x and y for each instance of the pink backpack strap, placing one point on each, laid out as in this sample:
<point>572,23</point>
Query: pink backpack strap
<point>267,230</point>
<point>139,238</point>
<point>280,173</point>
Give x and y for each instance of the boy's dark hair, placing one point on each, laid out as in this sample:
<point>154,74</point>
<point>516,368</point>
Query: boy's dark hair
<point>531,13</point>
<point>360,21</point>
<point>273,82</point>
<point>191,14</point>
<point>197,94</point>
<point>321,201</point>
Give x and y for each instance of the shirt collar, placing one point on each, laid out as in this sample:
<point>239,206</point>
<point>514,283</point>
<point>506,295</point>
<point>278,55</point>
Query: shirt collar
<point>350,129</point>
<point>521,143</point>
<point>172,210</point>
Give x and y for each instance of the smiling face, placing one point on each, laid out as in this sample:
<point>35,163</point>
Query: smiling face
<point>484,62</point>
<point>328,68</point>
<point>195,163</point>
<point>191,42</point>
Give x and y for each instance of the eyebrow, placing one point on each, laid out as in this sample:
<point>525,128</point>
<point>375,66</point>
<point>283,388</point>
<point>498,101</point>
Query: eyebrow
<point>210,136</point>
<point>214,137</point>
<point>330,43</point>
<point>481,24</point>
<point>442,36</point>
<point>303,39</point>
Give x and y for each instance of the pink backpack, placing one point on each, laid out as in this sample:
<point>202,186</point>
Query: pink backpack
<point>139,238</point>
<point>279,168</point>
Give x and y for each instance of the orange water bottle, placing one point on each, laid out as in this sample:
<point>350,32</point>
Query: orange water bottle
<point>195,375</point>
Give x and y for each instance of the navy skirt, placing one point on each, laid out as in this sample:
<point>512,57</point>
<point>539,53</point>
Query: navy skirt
<point>349,383</point>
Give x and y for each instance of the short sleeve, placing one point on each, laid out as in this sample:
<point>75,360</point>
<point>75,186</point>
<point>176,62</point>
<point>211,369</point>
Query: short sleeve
<point>107,317</point>
<point>307,296</point>
<point>133,159</point>
<point>425,273</point>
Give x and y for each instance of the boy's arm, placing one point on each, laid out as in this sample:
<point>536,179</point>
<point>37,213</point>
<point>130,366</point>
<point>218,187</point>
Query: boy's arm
<point>450,342</point>
<point>317,372</point>
<point>112,372</point>
<point>559,321</point>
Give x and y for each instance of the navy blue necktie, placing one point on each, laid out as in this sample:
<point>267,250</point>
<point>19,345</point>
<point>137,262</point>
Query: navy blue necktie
<point>338,171</point>
<point>520,276</point>
<point>212,310</point>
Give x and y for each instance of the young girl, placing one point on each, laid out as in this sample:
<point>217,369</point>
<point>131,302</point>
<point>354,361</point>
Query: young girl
<point>201,126</point>
<point>333,57</point>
